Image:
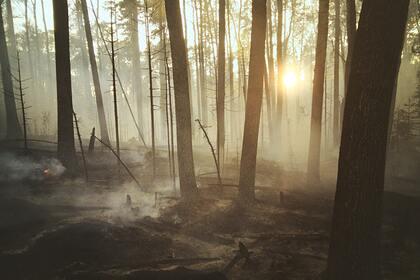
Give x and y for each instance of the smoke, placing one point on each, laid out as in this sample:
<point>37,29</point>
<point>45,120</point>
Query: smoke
<point>17,168</point>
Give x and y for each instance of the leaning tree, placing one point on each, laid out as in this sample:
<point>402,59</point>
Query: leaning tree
<point>356,228</point>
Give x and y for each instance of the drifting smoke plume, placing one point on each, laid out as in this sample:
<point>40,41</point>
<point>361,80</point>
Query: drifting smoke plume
<point>18,168</point>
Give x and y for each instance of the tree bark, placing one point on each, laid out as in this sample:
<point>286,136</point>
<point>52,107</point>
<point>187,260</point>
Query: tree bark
<point>355,245</point>
<point>337,36</point>
<point>254,101</point>
<point>318,93</point>
<point>95,75</point>
<point>188,184</point>
<point>65,150</point>
<point>13,128</point>
<point>221,65</point>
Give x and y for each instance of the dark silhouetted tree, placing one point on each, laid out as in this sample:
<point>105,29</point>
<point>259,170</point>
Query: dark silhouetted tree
<point>355,246</point>
<point>66,149</point>
<point>318,93</point>
<point>13,128</point>
<point>253,101</point>
<point>221,65</point>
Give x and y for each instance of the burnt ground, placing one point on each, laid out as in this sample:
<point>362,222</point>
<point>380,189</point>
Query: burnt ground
<point>67,229</point>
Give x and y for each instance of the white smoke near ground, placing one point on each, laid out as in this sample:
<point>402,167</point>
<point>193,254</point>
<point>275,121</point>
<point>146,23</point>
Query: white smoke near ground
<point>17,168</point>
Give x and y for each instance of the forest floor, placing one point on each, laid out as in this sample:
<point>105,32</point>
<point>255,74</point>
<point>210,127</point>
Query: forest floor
<point>68,229</point>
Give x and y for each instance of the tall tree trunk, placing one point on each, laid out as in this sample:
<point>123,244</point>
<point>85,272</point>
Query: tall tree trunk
<point>95,75</point>
<point>13,128</point>
<point>188,184</point>
<point>152,106</point>
<point>337,37</point>
<point>221,65</point>
<point>203,80</point>
<point>113,19</point>
<point>254,101</point>
<point>184,7</point>
<point>196,57</point>
<point>232,119</point>
<point>162,80</point>
<point>355,245</point>
<point>317,93</point>
<point>65,150</point>
<point>271,74</point>
<point>268,94</point>
<point>351,34</point>
<point>279,103</point>
<point>10,29</point>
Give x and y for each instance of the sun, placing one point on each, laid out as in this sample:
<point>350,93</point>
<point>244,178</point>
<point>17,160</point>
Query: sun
<point>289,79</point>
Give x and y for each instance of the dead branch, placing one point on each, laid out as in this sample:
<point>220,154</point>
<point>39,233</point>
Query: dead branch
<point>216,162</point>
<point>120,160</point>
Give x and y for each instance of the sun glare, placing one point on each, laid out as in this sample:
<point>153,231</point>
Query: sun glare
<point>289,79</point>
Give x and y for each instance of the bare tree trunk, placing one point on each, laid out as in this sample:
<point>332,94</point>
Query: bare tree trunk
<point>196,56</point>
<point>22,103</point>
<point>337,36</point>
<point>10,29</point>
<point>268,94</point>
<point>171,123</point>
<point>318,92</point>
<point>203,80</point>
<point>13,128</point>
<point>221,65</point>
<point>114,82</point>
<point>65,150</point>
<point>232,107</point>
<point>152,109</point>
<point>279,103</point>
<point>184,7</point>
<point>271,75</point>
<point>95,75</point>
<point>162,80</point>
<point>254,101</point>
<point>355,246</point>
<point>188,184</point>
